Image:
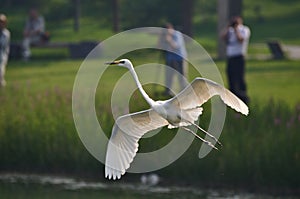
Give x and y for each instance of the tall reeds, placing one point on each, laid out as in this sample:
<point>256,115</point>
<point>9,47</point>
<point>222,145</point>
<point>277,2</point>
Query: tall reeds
<point>37,134</point>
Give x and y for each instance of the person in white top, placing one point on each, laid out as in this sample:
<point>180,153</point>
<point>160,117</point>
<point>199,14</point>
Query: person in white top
<point>33,31</point>
<point>4,48</point>
<point>236,35</point>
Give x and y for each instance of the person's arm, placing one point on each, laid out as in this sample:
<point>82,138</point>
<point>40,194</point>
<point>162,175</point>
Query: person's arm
<point>181,45</point>
<point>170,41</point>
<point>224,33</point>
<point>173,43</point>
<point>242,33</point>
<point>26,31</point>
<point>7,43</point>
<point>239,36</point>
<point>4,45</point>
<point>38,27</point>
<point>41,25</point>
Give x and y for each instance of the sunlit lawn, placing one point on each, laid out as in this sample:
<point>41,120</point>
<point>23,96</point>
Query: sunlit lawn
<point>278,80</point>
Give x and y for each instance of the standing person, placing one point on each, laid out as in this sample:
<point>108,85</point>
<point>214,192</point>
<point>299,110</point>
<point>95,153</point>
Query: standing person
<point>236,36</point>
<point>33,31</point>
<point>175,55</point>
<point>4,48</point>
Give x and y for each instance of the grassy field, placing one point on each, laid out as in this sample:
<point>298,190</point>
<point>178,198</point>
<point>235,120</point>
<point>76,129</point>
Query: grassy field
<point>275,80</point>
<point>266,79</point>
<point>37,132</point>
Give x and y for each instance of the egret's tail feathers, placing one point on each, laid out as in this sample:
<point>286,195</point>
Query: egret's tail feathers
<point>192,114</point>
<point>187,115</point>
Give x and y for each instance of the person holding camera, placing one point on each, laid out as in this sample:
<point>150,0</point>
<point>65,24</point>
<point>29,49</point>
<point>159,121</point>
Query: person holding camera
<point>236,35</point>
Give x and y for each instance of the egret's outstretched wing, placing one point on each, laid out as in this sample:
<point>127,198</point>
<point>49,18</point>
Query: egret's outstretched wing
<point>201,90</point>
<point>123,143</point>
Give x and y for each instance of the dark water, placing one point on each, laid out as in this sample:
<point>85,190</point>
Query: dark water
<point>14,186</point>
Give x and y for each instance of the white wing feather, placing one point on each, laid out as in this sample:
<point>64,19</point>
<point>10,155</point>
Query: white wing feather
<point>123,143</point>
<point>201,90</point>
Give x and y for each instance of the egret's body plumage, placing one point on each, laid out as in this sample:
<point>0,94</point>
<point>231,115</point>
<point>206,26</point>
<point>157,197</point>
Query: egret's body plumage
<point>180,111</point>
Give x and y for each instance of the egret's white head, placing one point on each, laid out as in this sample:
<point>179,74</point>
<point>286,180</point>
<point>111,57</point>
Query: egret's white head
<point>122,62</point>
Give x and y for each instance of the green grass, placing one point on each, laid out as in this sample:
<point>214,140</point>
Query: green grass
<point>37,132</point>
<point>269,79</point>
<point>275,80</point>
<point>266,79</point>
<point>42,74</point>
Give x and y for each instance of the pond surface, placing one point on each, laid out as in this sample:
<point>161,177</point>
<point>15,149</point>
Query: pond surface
<point>16,186</point>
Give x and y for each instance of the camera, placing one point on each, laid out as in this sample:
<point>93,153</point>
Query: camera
<point>233,23</point>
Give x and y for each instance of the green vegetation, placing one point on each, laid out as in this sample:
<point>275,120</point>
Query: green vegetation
<point>37,132</point>
<point>259,151</point>
<point>268,19</point>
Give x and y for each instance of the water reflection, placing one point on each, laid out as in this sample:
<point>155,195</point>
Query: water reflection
<point>32,186</point>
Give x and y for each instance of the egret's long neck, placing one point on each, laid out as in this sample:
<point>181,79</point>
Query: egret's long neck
<point>139,85</point>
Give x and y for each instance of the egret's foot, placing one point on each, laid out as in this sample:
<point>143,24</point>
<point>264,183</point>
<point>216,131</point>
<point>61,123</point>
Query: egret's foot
<point>207,133</point>
<point>211,145</point>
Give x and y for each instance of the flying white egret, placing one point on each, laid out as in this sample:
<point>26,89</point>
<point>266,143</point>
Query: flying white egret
<point>180,111</point>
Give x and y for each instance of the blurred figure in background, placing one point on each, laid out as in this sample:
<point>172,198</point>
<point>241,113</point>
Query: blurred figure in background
<point>150,179</point>
<point>175,53</point>
<point>236,35</point>
<point>34,31</point>
<point>4,48</point>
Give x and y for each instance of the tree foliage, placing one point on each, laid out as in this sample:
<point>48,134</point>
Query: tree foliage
<point>132,13</point>
<point>149,13</point>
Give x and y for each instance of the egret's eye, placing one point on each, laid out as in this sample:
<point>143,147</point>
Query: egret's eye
<point>122,62</point>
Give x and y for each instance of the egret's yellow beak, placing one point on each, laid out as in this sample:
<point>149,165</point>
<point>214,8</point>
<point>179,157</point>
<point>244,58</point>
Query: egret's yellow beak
<point>113,63</point>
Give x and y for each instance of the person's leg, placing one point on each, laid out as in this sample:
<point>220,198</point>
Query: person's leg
<point>242,81</point>
<point>232,75</point>
<point>236,80</point>
<point>169,76</point>
<point>180,70</point>
<point>2,73</point>
<point>26,48</point>
<point>27,41</point>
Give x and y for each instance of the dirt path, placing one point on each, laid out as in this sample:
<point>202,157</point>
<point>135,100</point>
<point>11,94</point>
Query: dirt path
<point>292,51</point>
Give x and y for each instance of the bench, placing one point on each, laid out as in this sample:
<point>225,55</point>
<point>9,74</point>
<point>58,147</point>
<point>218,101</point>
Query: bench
<point>76,50</point>
<point>276,49</point>
<point>52,45</point>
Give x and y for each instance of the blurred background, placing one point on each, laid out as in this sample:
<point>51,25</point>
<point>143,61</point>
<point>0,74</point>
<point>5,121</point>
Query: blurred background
<point>41,155</point>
